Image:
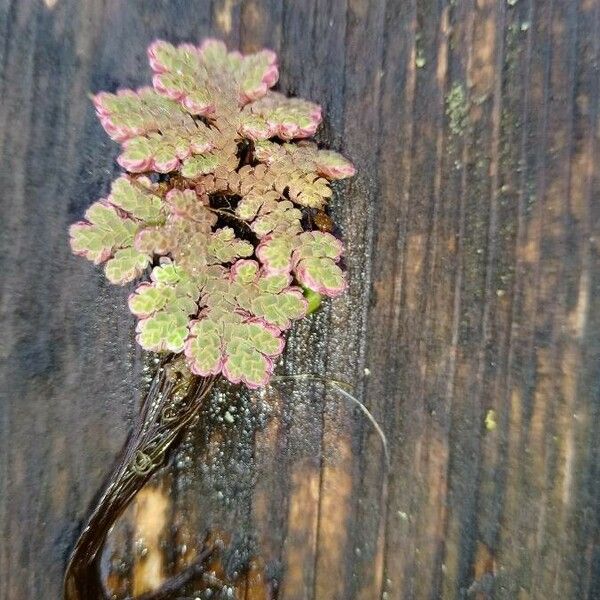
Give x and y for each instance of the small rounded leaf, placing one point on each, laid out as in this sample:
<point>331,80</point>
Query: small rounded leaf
<point>287,118</point>
<point>321,275</point>
<point>137,199</point>
<point>126,265</point>
<point>163,331</point>
<point>275,254</point>
<point>333,165</point>
<point>203,348</point>
<point>103,231</point>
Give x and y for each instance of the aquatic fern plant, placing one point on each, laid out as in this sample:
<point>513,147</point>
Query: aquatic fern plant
<point>217,210</point>
<point>221,213</point>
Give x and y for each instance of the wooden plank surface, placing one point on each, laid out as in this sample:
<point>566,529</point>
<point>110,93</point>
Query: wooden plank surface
<point>471,328</point>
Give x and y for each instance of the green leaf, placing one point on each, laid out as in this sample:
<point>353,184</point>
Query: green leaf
<point>222,295</point>
<point>165,307</point>
<point>318,244</point>
<point>244,271</point>
<point>156,132</point>
<point>103,232</point>
<point>279,309</point>
<point>314,300</point>
<point>275,253</point>
<point>309,190</point>
<point>188,205</point>
<point>149,299</point>
<point>203,348</point>
<point>225,247</point>
<point>137,199</point>
<point>322,275</point>
<point>200,164</point>
<point>129,114</point>
<point>277,217</point>
<point>205,78</point>
<point>333,165</point>
<point>243,351</point>
<point>315,259</point>
<point>273,284</point>
<point>163,331</point>
<point>243,316</point>
<point>244,364</point>
<point>126,265</point>
<point>169,274</point>
<point>277,115</point>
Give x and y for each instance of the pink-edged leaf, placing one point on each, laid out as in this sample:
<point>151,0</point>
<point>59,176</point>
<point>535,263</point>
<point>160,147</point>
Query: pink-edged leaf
<point>206,77</point>
<point>225,247</point>
<point>277,217</point>
<point>165,307</point>
<point>128,114</point>
<point>314,259</point>
<point>203,348</point>
<point>249,351</point>
<point>275,253</point>
<point>280,309</point>
<point>247,366</point>
<point>148,299</point>
<point>244,271</point>
<point>165,331</point>
<point>318,244</point>
<point>187,204</point>
<point>126,265</point>
<point>181,76</point>
<point>333,165</point>
<point>253,74</point>
<point>137,198</point>
<point>321,275</point>
<point>224,218</point>
<point>156,132</point>
<point>278,115</point>
<point>103,231</point>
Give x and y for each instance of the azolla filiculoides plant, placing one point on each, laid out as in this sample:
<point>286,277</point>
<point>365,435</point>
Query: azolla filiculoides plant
<point>221,199</point>
<point>221,210</point>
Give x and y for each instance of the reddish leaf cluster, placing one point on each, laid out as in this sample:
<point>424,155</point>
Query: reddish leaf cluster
<point>221,196</point>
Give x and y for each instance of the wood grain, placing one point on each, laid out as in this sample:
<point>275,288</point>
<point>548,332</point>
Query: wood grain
<point>471,328</point>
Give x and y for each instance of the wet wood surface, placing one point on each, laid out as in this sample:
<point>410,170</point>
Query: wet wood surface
<point>471,329</point>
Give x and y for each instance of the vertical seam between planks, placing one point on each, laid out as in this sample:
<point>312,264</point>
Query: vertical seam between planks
<point>457,302</point>
<point>399,257</point>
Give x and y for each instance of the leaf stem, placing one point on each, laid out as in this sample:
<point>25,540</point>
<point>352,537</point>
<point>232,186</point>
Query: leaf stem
<point>164,414</point>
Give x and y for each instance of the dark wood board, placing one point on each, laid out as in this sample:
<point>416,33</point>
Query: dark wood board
<point>471,328</point>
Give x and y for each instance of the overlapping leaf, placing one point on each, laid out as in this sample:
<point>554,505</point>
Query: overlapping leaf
<point>303,170</point>
<point>164,307</point>
<point>157,133</point>
<point>103,231</point>
<point>224,223</point>
<point>315,261</point>
<point>126,265</point>
<point>311,256</point>
<point>137,197</point>
<point>304,157</point>
<point>239,330</point>
<point>192,243</point>
<point>207,77</point>
<point>278,115</point>
<point>107,234</point>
